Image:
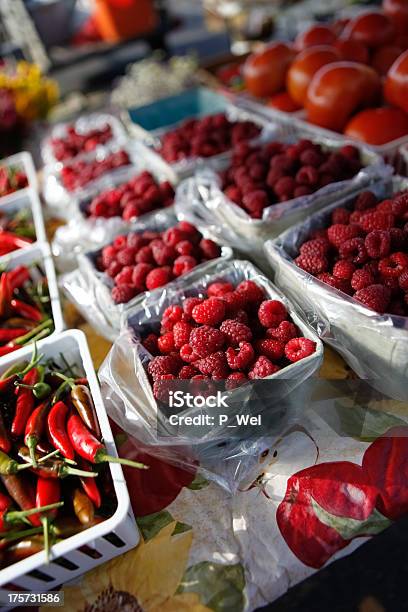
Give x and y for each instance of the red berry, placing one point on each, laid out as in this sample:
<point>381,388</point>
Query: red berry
<point>140,271</point>
<point>403,280</point>
<point>376,221</point>
<point>187,372</point>
<point>206,340</point>
<point>299,348</point>
<point>271,313</point>
<point>172,313</point>
<point>189,303</point>
<point>209,312</point>
<point>235,332</point>
<point>340,215</point>
<point>184,247</point>
<point>285,331</point>
<point>163,254</point>
<point>241,358</point>
<point>250,292</point>
<point>271,348</point>
<point>354,249</point>
<point>339,233</point>
<point>262,368</point>
<point>144,255</point>
<point>235,380</point>
<point>209,249</point>
<point>394,265</point>
<point>318,246</point>
<point>378,243</point>
<point>164,364</point>
<point>343,269</point>
<point>181,333</point>
<point>126,256</point>
<point>314,264</point>
<point>218,289</point>
<point>125,276</point>
<point>361,279</point>
<point>166,343</point>
<point>188,354</point>
<point>376,297</point>
<point>123,293</point>
<point>114,269</point>
<point>183,264</point>
<point>158,277</point>
<point>214,365</point>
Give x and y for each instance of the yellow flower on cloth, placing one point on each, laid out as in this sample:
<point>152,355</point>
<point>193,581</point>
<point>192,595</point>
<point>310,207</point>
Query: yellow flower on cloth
<point>145,579</point>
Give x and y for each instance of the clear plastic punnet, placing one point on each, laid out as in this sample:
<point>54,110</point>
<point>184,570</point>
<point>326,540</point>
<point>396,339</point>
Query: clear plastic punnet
<point>90,289</point>
<point>224,453</point>
<point>201,198</point>
<point>375,346</point>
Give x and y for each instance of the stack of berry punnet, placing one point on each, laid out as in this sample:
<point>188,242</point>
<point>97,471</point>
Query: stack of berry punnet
<point>266,174</point>
<point>144,261</point>
<point>363,251</point>
<point>206,137</point>
<point>231,331</point>
<point>138,196</point>
<point>79,173</point>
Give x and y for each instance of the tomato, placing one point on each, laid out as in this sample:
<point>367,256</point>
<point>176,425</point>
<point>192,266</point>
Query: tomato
<point>396,83</point>
<point>377,126</point>
<point>337,90</point>
<point>282,101</point>
<point>372,29</point>
<point>305,67</point>
<point>315,35</point>
<point>265,71</point>
<point>352,50</point>
<point>397,11</point>
<point>384,57</point>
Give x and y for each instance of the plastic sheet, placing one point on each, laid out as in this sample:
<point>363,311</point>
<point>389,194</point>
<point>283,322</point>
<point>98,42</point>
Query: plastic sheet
<point>201,198</point>
<point>84,124</point>
<point>90,290</point>
<point>130,402</point>
<point>83,233</point>
<point>375,346</point>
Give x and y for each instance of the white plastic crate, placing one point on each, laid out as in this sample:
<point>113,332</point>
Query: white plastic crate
<point>26,199</point>
<point>23,161</point>
<point>103,541</point>
<point>39,253</point>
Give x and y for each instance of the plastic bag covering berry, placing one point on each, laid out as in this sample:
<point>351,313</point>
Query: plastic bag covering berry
<point>82,232</point>
<point>201,198</point>
<point>130,400</point>
<point>375,346</point>
<point>90,289</point>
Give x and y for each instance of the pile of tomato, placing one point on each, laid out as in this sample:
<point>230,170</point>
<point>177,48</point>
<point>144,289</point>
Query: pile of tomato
<point>349,76</point>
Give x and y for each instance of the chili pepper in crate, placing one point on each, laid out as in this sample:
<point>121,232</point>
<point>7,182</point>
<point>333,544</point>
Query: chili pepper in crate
<point>5,444</point>
<point>7,334</point>
<point>48,492</point>
<point>21,491</point>
<point>5,294</point>
<point>33,335</point>
<point>18,276</point>
<point>9,465</point>
<point>40,389</point>
<point>25,402</point>
<point>9,518</point>
<point>56,468</point>
<point>11,242</point>
<point>386,463</point>
<point>83,507</point>
<point>26,310</point>
<point>35,428</point>
<point>82,400</point>
<point>23,549</point>
<point>56,421</point>
<point>89,485</point>
<point>90,448</point>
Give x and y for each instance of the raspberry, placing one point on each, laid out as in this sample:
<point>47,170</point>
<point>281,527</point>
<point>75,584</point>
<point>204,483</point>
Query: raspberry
<point>384,206</point>
<point>188,354</point>
<point>125,276</point>
<point>318,246</point>
<point>340,215</point>
<point>161,388</point>
<point>190,231</point>
<point>338,283</point>
<point>376,220</point>
<point>376,297</point>
<point>339,233</point>
<point>307,175</point>
<point>172,236</point>
<point>234,301</point>
<point>114,269</point>
<point>209,312</point>
<point>164,364</point>
<point>343,269</point>
<point>255,200</point>
<point>235,332</point>
<point>181,333</point>
<point>399,240</point>
<point>189,303</point>
<point>184,247</point>
<point>140,271</point>
<point>394,265</point>
<point>108,255</point>
<point>173,314</point>
<point>163,254</point>
<point>150,344</point>
<point>273,349</point>
<point>361,279</point>
<point>166,343</point>
<point>135,241</point>
<point>126,256</point>
<point>214,365</point>
<point>400,206</point>
<point>262,367</point>
<point>158,277</point>
<point>271,313</point>
<point>235,380</point>
<point>183,264</point>
<point>241,358</point>
<point>299,348</point>
<point>314,264</point>
<point>285,331</point>
<point>350,151</point>
<point>206,340</point>
<point>354,249</point>
<point>378,243</point>
<point>355,217</point>
<point>403,280</point>
<point>144,255</point>
<point>285,187</point>
<point>250,291</point>
<point>188,372</point>
<point>218,289</point>
<point>209,248</point>
<point>120,241</point>
<point>310,157</point>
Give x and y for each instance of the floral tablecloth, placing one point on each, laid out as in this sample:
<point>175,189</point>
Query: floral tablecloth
<point>203,548</point>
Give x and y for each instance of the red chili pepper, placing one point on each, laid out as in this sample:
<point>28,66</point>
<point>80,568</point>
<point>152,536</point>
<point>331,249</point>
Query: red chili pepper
<point>324,507</point>
<point>5,501</point>
<point>9,334</point>
<point>35,428</point>
<point>6,350</point>
<point>56,428</point>
<point>19,276</point>
<point>26,310</point>
<point>386,463</point>
<point>22,493</point>
<point>48,492</point>
<point>89,485</point>
<point>91,449</point>
<point>13,242</point>
<point>25,403</point>
<point>10,518</point>
<point>5,294</point>
<point>5,444</point>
